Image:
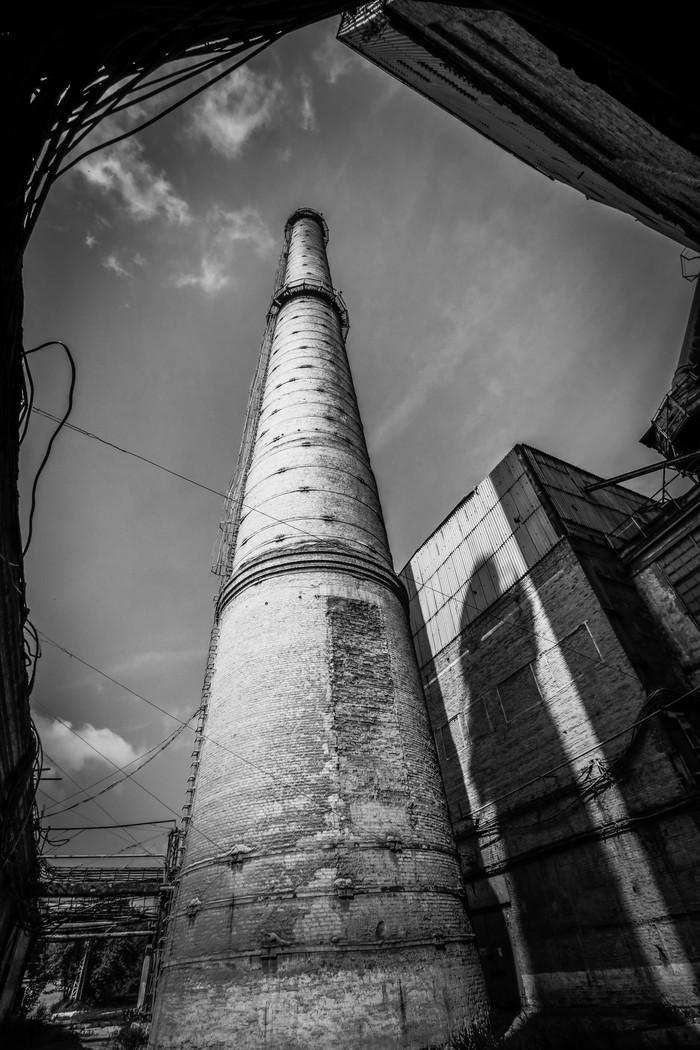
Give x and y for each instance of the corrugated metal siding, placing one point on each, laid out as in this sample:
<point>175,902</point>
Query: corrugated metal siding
<point>495,535</point>
<point>488,543</point>
<point>602,511</point>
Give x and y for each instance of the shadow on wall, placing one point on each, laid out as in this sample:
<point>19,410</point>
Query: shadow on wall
<point>566,913</point>
<point>569,920</point>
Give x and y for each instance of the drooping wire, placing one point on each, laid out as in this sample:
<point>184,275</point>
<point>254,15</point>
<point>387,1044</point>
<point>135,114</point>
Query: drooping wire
<point>641,719</point>
<point>67,775</point>
<point>154,752</point>
<point>127,452</point>
<point>110,827</point>
<point>306,532</point>
<point>151,703</point>
<point>62,421</point>
<point>488,613</point>
<point>169,109</point>
<point>31,655</point>
<point>156,748</point>
<point>27,396</point>
<point>143,787</point>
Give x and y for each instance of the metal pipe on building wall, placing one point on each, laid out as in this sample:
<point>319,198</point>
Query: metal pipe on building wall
<point>320,901</point>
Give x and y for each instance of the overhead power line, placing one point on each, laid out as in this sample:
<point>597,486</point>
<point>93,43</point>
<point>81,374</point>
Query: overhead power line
<point>145,759</point>
<point>127,452</point>
<point>151,703</point>
<point>143,787</point>
<point>283,521</point>
<point>61,422</point>
<point>134,841</point>
<point>108,827</point>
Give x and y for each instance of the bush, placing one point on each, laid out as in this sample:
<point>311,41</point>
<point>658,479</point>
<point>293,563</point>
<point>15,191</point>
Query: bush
<point>132,1033</point>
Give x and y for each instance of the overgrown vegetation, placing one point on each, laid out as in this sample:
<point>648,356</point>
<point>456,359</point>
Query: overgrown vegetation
<point>555,1033</point>
<point>132,1033</point>
<point>114,968</point>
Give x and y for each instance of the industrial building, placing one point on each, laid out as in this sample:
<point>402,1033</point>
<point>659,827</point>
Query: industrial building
<point>603,587</point>
<point>557,630</point>
<point>555,619</point>
<point>320,900</point>
<point>579,96</point>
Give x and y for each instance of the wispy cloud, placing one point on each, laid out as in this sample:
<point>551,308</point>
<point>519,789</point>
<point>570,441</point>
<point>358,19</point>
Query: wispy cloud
<point>334,59</point>
<point>439,370</point>
<point>123,170</point>
<point>229,112</point>
<point>222,235</point>
<point>112,262</point>
<point>154,661</point>
<point>117,262</point>
<point>75,752</point>
<point>308,115</point>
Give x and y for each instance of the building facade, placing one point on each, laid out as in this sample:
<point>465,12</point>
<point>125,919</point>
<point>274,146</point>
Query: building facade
<point>557,635</point>
<point>320,900</point>
<point>562,88</point>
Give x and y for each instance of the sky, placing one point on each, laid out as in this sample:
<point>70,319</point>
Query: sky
<point>488,306</point>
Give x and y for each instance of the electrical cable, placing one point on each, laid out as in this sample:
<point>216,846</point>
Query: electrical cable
<point>485,612</point>
<point>27,395</point>
<point>595,747</point>
<point>217,743</point>
<point>108,827</point>
<point>164,112</point>
<point>552,642</point>
<point>31,657</point>
<point>72,779</point>
<point>151,703</point>
<point>155,752</point>
<point>62,422</point>
<point>127,452</point>
<point>156,747</point>
<point>631,727</point>
<point>133,779</point>
<point>283,521</point>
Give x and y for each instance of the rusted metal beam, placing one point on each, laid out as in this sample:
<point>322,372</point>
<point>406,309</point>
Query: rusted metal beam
<point>677,461</point>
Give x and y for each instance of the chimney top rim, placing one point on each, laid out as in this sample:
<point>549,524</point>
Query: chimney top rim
<point>306,213</point>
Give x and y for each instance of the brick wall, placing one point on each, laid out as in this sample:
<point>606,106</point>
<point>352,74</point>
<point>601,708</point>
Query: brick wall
<point>320,900</point>
<point>585,854</point>
<point>343,891</point>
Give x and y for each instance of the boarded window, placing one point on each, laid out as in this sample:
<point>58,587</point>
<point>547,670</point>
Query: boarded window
<point>519,693</point>
<point>479,716</point>
<point>450,739</point>
<point>575,656</point>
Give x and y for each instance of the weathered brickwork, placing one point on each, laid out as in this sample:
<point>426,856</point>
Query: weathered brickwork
<point>489,70</point>
<point>664,562</point>
<point>320,899</point>
<point>576,832</point>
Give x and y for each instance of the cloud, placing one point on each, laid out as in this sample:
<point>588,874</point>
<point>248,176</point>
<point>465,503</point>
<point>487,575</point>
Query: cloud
<point>123,170</point>
<point>111,262</point>
<point>222,234</point>
<point>334,59</point>
<point>308,116</point>
<point>90,240</point>
<point>73,753</point>
<point>230,111</point>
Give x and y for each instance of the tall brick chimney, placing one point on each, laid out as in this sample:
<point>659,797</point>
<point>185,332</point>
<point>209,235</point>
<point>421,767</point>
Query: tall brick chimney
<point>319,902</point>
